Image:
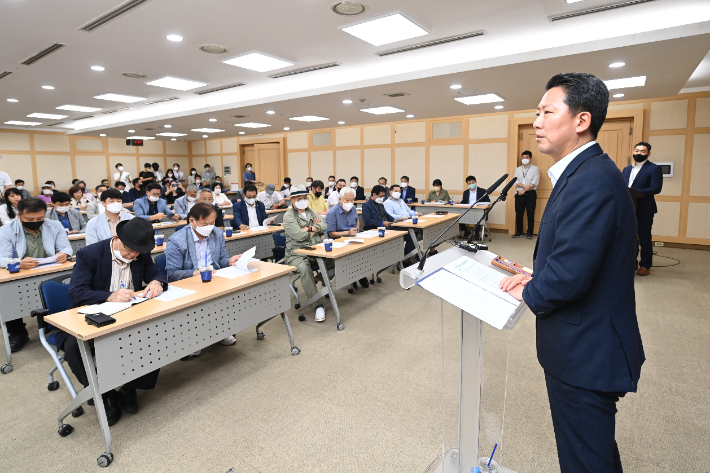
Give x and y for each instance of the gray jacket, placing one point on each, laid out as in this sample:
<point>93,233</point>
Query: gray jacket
<point>76,219</point>
<point>54,240</point>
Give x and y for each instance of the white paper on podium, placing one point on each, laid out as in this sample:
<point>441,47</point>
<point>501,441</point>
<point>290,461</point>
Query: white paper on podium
<point>480,275</point>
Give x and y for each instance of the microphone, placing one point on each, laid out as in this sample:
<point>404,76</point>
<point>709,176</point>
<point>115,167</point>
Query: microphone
<point>496,184</point>
<point>508,186</point>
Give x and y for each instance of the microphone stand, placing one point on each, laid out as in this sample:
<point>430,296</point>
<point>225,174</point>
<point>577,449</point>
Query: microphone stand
<point>501,197</point>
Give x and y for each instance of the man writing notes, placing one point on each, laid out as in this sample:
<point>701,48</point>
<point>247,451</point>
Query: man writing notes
<point>582,291</point>
<point>647,178</point>
<point>152,207</point>
<point>528,177</point>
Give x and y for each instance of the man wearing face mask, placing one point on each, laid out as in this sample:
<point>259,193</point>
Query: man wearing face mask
<point>408,192</point>
<point>331,186</point>
<point>270,198</point>
<point>528,177</point>
<point>472,194</point>
<point>138,191</point>
<point>647,178</point>
<point>20,186</point>
<point>334,198</point>
<point>303,227</point>
<point>177,174</point>
<point>383,182</point>
<point>342,221</point>
<point>248,175</point>
<point>32,236</point>
<point>121,175</point>
<point>71,219</point>
<point>208,174</point>
<point>206,196</point>
<point>375,215</point>
<point>103,226</point>
<point>315,199</point>
<point>152,207</point>
<point>359,191</point>
<point>249,212</point>
<point>94,207</point>
<point>114,270</point>
<point>309,183</point>
<point>184,204</point>
<point>286,188</point>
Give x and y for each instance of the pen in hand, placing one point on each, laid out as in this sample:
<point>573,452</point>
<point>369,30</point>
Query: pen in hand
<point>124,286</point>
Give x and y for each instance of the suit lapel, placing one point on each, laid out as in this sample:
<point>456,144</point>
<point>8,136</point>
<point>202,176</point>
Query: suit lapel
<point>593,150</point>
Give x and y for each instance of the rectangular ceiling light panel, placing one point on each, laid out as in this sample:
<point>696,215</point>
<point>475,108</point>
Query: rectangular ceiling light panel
<point>20,123</point>
<point>385,30</point>
<point>172,134</point>
<point>120,98</point>
<point>638,81</point>
<point>140,138</point>
<point>207,130</point>
<point>478,99</point>
<point>78,108</point>
<point>251,125</point>
<point>258,62</point>
<point>176,83</point>
<point>50,116</point>
<point>309,118</point>
<point>381,110</point>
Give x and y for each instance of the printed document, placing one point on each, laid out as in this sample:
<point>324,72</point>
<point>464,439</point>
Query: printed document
<point>110,308</point>
<point>173,293</point>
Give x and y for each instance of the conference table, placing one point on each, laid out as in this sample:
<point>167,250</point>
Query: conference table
<point>153,334</point>
<point>430,226</point>
<point>471,218</point>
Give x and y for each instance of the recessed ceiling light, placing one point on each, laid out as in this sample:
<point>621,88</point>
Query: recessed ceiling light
<point>48,87</point>
<point>617,64</point>
<point>251,125</point>
<point>12,100</point>
<point>347,101</point>
<point>348,8</point>
<point>50,116</point>
<point>173,139</point>
<point>78,108</point>
<point>102,134</point>
<point>207,130</point>
<point>638,81</point>
<point>381,110</point>
<point>171,134</point>
<point>270,112</point>
<point>167,126</point>
<point>213,119</point>
<point>616,96</point>
<point>498,107</point>
<point>131,131</point>
<point>120,98</point>
<point>174,37</point>
<point>176,83</point>
<point>134,75</point>
<point>341,123</point>
<point>309,118</point>
<point>20,123</point>
<point>387,29</point>
<point>242,132</point>
<point>205,136</point>
<point>140,137</point>
<point>285,129</point>
<point>455,86</point>
<point>213,49</point>
<point>98,68</point>
<point>478,99</point>
<point>410,116</point>
<point>572,1</point>
<point>258,62</point>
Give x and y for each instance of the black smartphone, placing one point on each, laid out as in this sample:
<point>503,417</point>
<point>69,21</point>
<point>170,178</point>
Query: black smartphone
<point>308,248</point>
<point>99,320</point>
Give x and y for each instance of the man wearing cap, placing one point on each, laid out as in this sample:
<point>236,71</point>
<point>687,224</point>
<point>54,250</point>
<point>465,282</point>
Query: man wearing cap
<point>115,270</point>
<point>270,198</point>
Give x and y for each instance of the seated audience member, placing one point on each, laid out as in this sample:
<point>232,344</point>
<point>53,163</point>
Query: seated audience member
<point>198,182</point>
<point>303,227</point>
<point>359,191</point>
<point>383,182</point>
<point>138,190</point>
<point>249,212</point>
<point>396,207</point>
<point>74,182</point>
<point>316,202</point>
<point>87,195</point>
<point>103,225</point>
<point>331,186</point>
<point>334,197</point>
<point>374,215</point>
<point>439,194</point>
<point>78,199</point>
<point>286,188</point>
<point>114,270</point>
<point>186,202</point>
<point>46,195</point>
<point>32,237</point>
<point>207,197</point>
<point>8,210</point>
<point>342,220</point>
<point>173,190</point>
<point>217,180</point>
<point>20,186</point>
<point>152,208</point>
<point>309,183</point>
<point>408,192</point>
<point>270,198</point>
<point>206,184</point>
<point>220,198</point>
<point>472,194</point>
<point>147,175</point>
<point>105,182</point>
<point>71,219</point>
<point>94,207</point>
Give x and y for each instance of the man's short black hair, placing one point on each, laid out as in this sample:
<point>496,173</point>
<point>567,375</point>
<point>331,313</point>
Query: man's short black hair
<point>377,190</point>
<point>355,177</point>
<point>287,180</point>
<point>147,165</point>
<point>119,183</point>
<point>60,197</point>
<point>100,186</point>
<point>309,177</point>
<point>74,181</point>
<point>317,185</point>
<point>642,143</point>
<point>19,181</point>
<point>153,186</point>
<point>383,178</point>
<point>395,185</point>
<point>111,194</point>
<point>404,177</point>
<point>249,188</point>
<point>330,177</point>
<point>437,182</point>
<point>31,205</point>
<point>583,93</point>
<point>470,178</point>
<point>527,153</point>
<point>136,180</point>
<point>201,210</point>
<point>117,165</point>
<point>341,180</point>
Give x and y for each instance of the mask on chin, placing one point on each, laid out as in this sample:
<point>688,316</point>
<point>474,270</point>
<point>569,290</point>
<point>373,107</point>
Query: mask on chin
<point>119,257</point>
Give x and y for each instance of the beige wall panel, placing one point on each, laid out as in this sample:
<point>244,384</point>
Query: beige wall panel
<point>324,138</point>
<point>51,143</point>
<point>151,147</point>
<point>92,170</point>
<point>626,106</point>
<point>129,166</point>
<point>666,221</point>
<point>493,126</point>
<point>669,115</point>
<point>235,176</point>
<point>670,148</point>
<point>183,161</point>
<point>446,163</point>
<point>411,162</point>
<point>56,168</point>
<point>497,215</point>
<point>176,147</point>
<point>198,147</point>
<point>298,167</point>
<point>229,145</point>
<point>84,144</point>
<point>702,112</point>
<point>378,163</point>
<point>321,165</point>
<point>19,166</point>
<point>297,141</point>
<point>524,115</point>
<point>698,220</point>
<point>197,163</point>
<point>14,141</point>
<point>377,135</point>
<point>215,163</point>
<point>487,162</point>
<point>213,146</point>
<point>118,145</point>
<point>347,164</point>
<point>347,136</point>
<point>701,167</point>
<point>411,132</point>
<point>446,130</point>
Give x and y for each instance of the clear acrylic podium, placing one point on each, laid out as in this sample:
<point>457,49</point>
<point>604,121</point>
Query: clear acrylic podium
<point>464,457</point>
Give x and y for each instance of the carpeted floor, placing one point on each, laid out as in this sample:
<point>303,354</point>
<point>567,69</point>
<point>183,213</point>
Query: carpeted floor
<point>368,399</point>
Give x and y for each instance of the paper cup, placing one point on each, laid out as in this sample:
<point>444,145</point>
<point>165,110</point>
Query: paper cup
<point>415,220</point>
<point>484,468</point>
<point>228,231</point>
<point>328,243</point>
<point>13,265</point>
<point>206,273</point>
<point>381,232</point>
<point>159,239</point>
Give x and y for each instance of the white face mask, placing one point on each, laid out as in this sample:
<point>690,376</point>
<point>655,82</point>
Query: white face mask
<point>218,191</point>
<point>379,200</point>
<point>114,207</point>
<point>19,187</point>
<point>176,169</point>
<point>287,186</point>
<point>308,184</point>
<point>395,195</point>
<point>525,161</point>
<point>153,198</point>
<point>204,231</point>
<point>249,169</point>
<point>207,169</point>
<point>46,191</point>
<point>353,184</point>
<point>62,210</point>
<point>198,181</point>
<point>191,199</point>
<point>347,206</point>
<point>331,183</point>
<point>403,184</point>
<point>301,204</point>
<point>117,253</point>
<point>437,188</point>
<point>120,168</point>
<point>194,172</point>
<point>250,201</point>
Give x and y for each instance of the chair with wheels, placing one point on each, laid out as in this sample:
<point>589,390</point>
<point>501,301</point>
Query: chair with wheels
<point>161,261</point>
<point>179,227</point>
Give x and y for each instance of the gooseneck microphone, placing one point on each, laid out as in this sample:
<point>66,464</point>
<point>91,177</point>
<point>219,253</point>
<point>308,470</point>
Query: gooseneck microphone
<point>502,196</point>
<point>487,192</point>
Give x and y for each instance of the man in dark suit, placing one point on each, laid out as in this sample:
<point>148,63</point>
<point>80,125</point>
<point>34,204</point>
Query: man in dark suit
<point>248,212</point>
<point>114,270</point>
<point>582,289</point>
<point>647,178</point>
<point>472,194</point>
<point>359,191</point>
<point>409,193</point>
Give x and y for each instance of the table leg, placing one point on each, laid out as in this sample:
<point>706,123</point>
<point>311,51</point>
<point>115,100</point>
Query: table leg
<point>7,368</point>
<point>294,349</point>
<point>326,280</point>
<point>107,457</point>
<point>417,249</point>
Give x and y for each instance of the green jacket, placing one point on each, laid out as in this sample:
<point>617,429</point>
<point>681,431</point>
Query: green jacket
<point>443,195</point>
<point>296,238</point>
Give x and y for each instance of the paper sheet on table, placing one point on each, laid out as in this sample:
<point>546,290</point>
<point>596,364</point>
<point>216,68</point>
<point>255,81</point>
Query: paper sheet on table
<point>232,272</point>
<point>354,240</point>
<point>367,234</point>
<point>42,266</point>
<point>173,293</point>
<point>482,276</point>
<point>269,220</point>
<point>435,216</point>
<point>336,244</point>
<point>47,260</point>
<point>246,258</point>
<point>262,227</point>
<point>110,308</point>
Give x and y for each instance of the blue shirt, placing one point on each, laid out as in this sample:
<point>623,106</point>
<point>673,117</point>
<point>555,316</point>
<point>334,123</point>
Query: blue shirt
<point>248,176</point>
<point>340,221</point>
<point>398,208</point>
<point>202,248</point>
<point>64,220</point>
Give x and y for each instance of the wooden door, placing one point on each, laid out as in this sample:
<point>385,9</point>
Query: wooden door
<point>268,164</point>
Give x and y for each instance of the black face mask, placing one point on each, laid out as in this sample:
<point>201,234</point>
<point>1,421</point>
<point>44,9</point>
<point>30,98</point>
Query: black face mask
<point>318,194</point>
<point>639,158</point>
<point>34,226</point>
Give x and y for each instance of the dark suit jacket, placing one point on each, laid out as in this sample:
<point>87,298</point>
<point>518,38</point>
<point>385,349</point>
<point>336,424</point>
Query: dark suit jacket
<point>649,181</point>
<point>479,193</point>
<point>582,290</point>
<point>241,214</point>
<point>409,193</point>
<point>359,193</point>
<point>371,216</point>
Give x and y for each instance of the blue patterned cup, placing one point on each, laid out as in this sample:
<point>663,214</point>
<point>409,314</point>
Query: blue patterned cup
<point>13,265</point>
<point>206,273</point>
<point>328,243</point>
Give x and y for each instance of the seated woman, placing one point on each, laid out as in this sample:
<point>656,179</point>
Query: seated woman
<point>220,199</point>
<point>199,243</point>
<point>173,190</point>
<point>8,210</point>
<point>79,200</point>
<point>439,194</point>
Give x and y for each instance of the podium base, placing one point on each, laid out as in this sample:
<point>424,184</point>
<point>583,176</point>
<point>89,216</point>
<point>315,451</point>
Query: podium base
<point>450,464</point>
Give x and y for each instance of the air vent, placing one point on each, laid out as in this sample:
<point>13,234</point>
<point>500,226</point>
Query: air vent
<point>134,75</point>
<point>55,124</point>
<point>161,100</point>
<point>348,8</point>
<point>396,94</point>
<point>45,52</point>
<point>82,118</point>
<point>589,11</point>
<point>112,15</point>
<point>117,110</point>
<point>213,49</point>
<point>436,42</point>
<point>4,74</point>
<point>305,69</point>
<point>466,91</point>
<point>240,116</point>
<point>217,89</point>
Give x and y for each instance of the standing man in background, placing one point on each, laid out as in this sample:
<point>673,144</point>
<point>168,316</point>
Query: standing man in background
<point>5,181</point>
<point>582,289</point>
<point>528,177</point>
<point>647,178</point>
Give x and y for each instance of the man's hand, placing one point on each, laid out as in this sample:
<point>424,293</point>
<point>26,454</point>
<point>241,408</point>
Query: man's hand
<point>521,191</point>
<point>245,227</point>
<point>155,288</point>
<point>61,258</point>
<point>122,295</point>
<point>28,263</point>
<point>388,224</point>
<point>316,221</point>
<point>275,206</point>
<point>73,232</point>
<point>233,260</point>
<point>418,214</point>
<point>514,285</point>
<point>158,216</point>
<point>352,231</point>
<point>175,217</point>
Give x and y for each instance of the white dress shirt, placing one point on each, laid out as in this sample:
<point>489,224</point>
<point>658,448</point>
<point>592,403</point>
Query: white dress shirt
<point>269,200</point>
<point>202,247</point>
<point>635,168</point>
<point>333,198</point>
<point>559,167</point>
<point>253,219</point>
<point>122,176</point>
<point>220,199</point>
<point>5,181</point>
<point>527,176</point>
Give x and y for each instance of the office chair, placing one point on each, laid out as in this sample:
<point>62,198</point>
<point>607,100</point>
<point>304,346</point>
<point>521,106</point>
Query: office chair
<point>161,261</point>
